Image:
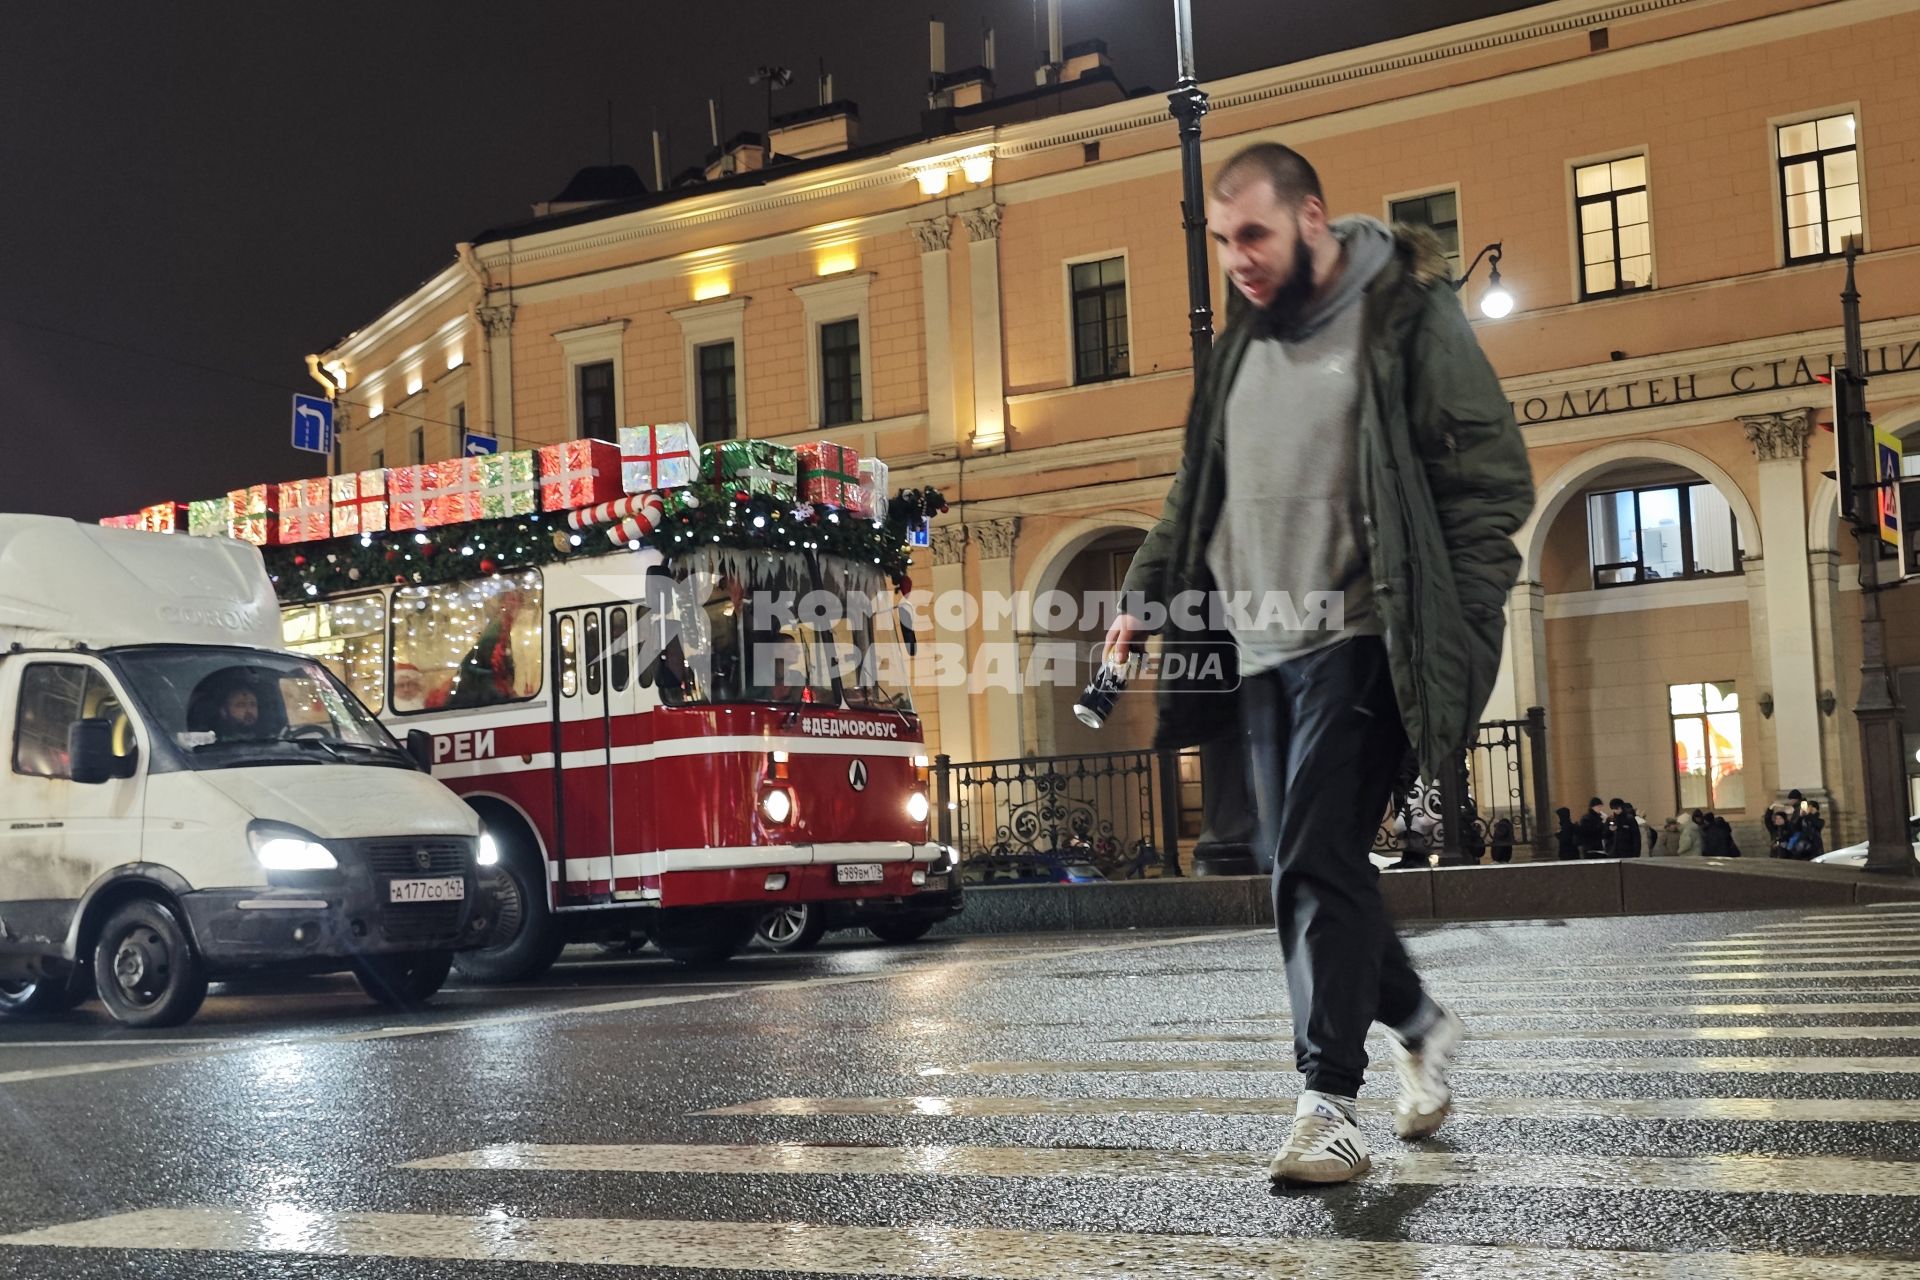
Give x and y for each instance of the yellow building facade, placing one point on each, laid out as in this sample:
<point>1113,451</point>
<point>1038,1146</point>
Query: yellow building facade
<point>1001,312</point>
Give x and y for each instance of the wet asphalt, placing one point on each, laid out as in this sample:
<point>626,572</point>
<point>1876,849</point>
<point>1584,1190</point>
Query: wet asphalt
<point>288,1108</point>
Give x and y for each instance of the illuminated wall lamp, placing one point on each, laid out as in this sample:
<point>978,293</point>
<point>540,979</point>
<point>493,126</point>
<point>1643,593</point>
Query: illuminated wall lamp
<point>978,168</point>
<point>414,383</point>
<point>711,287</point>
<point>932,181</point>
<point>455,359</point>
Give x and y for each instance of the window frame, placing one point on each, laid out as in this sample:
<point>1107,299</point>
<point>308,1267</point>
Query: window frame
<point>847,296</point>
<point>1639,562</point>
<point>729,428</point>
<point>1459,216</point>
<point>1781,232</point>
<point>1069,296</point>
<point>89,671</point>
<point>707,324</point>
<point>593,344</point>
<point>1705,719</point>
<point>855,405</point>
<point>1578,202</point>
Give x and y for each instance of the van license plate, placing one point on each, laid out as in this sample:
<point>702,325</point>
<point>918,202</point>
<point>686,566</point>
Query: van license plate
<point>445,889</point>
<point>859,873</point>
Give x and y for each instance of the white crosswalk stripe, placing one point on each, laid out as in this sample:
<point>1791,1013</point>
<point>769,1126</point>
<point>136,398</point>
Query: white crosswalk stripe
<point>926,1249</point>
<point>1808,1065</point>
<point>1506,1034</point>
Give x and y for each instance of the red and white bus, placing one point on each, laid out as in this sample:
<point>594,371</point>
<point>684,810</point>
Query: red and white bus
<point>603,718</point>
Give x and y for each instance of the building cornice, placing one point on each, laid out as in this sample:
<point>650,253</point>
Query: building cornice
<point>450,282</point>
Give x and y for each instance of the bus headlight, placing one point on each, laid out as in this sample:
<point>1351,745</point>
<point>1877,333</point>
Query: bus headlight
<point>777,805</point>
<point>284,848</point>
<point>917,807</point>
<point>489,855</point>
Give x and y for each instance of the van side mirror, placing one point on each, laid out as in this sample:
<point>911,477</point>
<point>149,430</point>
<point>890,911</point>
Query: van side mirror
<point>90,758</point>
<point>420,747</point>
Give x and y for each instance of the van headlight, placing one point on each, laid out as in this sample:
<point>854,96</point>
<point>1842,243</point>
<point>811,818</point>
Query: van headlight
<point>282,848</point>
<point>489,854</point>
<point>917,807</point>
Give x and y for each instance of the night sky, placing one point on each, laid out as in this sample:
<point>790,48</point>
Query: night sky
<point>195,195</point>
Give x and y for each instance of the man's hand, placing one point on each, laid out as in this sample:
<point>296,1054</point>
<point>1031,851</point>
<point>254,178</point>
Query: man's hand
<point>1123,637</point>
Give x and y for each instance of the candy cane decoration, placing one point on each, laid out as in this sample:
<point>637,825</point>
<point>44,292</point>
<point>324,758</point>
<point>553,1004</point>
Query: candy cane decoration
<point>643,506</point>
<point>638,524</point>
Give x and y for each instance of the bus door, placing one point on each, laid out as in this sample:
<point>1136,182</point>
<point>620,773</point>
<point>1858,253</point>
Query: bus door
<point>582,753</point>
<point>628,736</point>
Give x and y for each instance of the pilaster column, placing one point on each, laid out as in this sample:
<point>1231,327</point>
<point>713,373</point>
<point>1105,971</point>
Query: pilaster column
<point>949,545</point>
<point>1779,443</point>
<point>999,662</point>
<point>498,323</point>
<point>936,300</point>
<point>989,364</point>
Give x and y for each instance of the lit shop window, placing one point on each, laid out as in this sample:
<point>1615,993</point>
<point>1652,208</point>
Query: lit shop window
<point>349,638</point>
<point>1707,761</point>
<point>467,644</point>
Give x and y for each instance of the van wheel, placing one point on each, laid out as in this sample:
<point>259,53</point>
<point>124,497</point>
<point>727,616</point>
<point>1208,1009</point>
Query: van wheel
<point>38,999</point>
<point>402,982</point>
<point>798,926</point>
<point>702,938</point>
<point>525,938</point>
<point>145,969</point>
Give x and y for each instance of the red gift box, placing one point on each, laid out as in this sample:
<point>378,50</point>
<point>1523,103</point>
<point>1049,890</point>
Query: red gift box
<point>452,492</point>
<point>306,510</point>
<point>830,475</point>
<point>253,515</point>
<point>579,473</point>
<point>122,522</point>
<point>163,517</point>
<point>406,498</point>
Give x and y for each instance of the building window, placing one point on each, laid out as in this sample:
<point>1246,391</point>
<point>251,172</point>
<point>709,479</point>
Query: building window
<point>593,388</point>
<point>379,459</point>
<point>417,446</point>
<point>717,405</point>
<point>474,643</point>
<point>1099,307</point>
<point>1707,762</point>
<point>1662,533</point>
<point>839,372</point>
<point>1819,186</point>
<point>460,417</point>
<point>1439,212</point>
<point>1616,235</point>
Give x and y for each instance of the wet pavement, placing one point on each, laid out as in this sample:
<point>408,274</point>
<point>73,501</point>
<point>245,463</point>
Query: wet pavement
<point>1700,1096</point>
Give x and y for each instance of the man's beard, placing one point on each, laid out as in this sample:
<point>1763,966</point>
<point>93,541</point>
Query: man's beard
<point>1290,299</point>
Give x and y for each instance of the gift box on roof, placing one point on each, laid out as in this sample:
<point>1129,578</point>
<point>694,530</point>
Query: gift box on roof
<point>452,492</point>
<point>360,502</point>
<point>207,517</point>
<point>752,466</point>
<point>406,498</point>
<point>579,473</point>
<point>306,510</point>
<point>830,474</point>
<point>164,517</point>
<point>122,522</point>
<point>873,488</point>
<point>661,456</point>
<point>504,484</point>
<point>253,515</point>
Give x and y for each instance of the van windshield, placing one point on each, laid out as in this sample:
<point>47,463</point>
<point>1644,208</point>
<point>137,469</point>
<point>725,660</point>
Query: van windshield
<point>227,708</point>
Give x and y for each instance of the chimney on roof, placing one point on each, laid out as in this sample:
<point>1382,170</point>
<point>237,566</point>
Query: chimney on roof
<point>1083,56</point>
<point>816,131</point>
<point>743,153</point>
<point>967,87</point>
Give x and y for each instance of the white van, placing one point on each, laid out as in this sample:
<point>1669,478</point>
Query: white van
<point>182,800</point>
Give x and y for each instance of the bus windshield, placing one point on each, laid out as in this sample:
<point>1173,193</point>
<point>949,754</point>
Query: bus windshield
<point>731,648</point>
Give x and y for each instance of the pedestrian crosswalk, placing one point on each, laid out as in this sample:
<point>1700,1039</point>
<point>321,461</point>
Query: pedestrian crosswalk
<point>1817,1104</point>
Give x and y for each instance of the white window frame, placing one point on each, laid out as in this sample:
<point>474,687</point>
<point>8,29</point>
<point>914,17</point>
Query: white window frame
<point>451,390</point>
<point>1577,276</point>
<point>1434,189</point>
<point>593,344</point>
<point>1066,310</point>
<point>707,323</point>
<point>843,297</point>
<point>1778,197</point>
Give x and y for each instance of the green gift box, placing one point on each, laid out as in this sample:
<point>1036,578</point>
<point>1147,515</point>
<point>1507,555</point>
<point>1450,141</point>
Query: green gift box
<point>755,466</point>
<point>207,518</point>
<point>506,484</point>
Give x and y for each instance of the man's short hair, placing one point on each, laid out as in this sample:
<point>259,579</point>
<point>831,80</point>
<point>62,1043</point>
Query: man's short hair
<point>1285,169</point>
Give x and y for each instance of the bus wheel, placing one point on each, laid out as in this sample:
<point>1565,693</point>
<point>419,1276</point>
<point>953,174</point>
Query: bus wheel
<point>906,930</point>
<point>26,999</point>
<point>401,982</point>
<point>525,938</point>
<point>797,926</point>
<point>700,938</point>
<point>145,968</point>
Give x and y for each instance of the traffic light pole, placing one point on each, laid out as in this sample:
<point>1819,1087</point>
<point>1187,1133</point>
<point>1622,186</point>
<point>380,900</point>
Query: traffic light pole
<point>1882,744</point>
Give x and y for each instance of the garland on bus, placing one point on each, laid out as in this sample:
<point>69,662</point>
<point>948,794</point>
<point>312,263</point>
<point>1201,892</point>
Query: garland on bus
<point>695,518</point>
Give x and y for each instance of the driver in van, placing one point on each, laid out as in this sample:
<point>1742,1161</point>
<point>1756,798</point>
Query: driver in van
<point>239,714</point>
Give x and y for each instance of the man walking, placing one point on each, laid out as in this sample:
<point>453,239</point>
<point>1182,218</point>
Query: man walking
<point>1348,444</point>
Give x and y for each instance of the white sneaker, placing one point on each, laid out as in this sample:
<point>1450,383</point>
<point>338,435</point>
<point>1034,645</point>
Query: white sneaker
<point>1425,1097</point>
<point>1324,1146</point>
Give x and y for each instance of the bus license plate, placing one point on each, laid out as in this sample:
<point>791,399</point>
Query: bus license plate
<point>860,873</point>
<point>446,889</point>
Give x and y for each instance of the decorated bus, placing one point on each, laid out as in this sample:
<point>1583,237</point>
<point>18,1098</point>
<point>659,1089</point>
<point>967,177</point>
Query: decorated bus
<point>670,680</point>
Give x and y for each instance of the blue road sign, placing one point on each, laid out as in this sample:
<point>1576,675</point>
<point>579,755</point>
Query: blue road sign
<point>313,424</point>
<point>472,446</point>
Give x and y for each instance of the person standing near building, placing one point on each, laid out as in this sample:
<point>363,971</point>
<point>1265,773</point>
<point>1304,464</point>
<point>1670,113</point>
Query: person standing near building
<point>1690,829</point>
<point>1348,441</point>
<point>1593,829</point>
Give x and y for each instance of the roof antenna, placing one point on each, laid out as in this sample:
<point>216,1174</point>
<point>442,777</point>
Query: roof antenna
<point>609,133</point>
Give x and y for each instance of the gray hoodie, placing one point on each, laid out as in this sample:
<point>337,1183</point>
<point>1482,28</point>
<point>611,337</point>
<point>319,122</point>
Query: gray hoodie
<point>1289,544</point>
